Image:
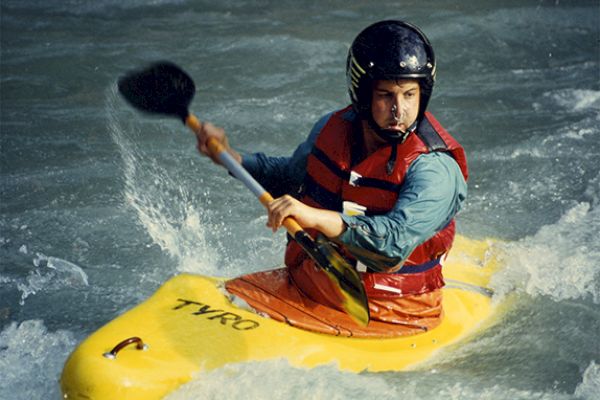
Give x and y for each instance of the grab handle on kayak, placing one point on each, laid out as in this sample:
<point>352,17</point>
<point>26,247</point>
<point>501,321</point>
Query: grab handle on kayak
<point>140,345</point>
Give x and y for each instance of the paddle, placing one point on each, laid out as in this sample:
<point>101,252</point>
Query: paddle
<point>164,88</point>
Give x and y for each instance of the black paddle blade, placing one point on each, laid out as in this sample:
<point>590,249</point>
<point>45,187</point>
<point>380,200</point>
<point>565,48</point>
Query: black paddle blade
<point>161,88</point>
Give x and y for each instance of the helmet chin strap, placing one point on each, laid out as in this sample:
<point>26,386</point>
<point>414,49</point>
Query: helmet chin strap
<point>393,137</point>
<point>390,135</point>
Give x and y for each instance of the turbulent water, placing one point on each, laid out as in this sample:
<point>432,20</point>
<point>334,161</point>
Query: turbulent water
<point>100,205</point>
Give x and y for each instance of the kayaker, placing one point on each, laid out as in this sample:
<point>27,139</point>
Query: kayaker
<point>381,178</point>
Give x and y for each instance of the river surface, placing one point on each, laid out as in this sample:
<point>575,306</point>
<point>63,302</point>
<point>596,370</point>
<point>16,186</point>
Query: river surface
<point>100,205</point>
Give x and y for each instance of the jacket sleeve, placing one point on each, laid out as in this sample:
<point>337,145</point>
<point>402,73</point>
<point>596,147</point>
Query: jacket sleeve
<point>432,193</point>
<point>283,175</point>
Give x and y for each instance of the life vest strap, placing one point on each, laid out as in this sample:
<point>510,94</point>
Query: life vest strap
<point>345,175</point>
<point>333,167</point>
<point>430,136</point>
<point>325,198</point>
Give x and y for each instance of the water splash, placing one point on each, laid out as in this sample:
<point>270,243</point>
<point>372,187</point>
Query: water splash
<point>51,273</point>
<point>164,205</point>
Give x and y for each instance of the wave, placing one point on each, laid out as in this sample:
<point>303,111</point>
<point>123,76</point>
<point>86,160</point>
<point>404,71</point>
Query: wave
<point>260,380</point>
<point>559,261</point>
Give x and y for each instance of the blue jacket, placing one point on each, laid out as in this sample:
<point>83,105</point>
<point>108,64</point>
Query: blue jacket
<point>432,193</point>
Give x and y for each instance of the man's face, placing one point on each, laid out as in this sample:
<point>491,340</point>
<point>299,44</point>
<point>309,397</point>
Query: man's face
<point>395,104</point>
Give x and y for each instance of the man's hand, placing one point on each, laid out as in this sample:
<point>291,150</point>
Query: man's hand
<point>207,131</point>
<point>327,222</point>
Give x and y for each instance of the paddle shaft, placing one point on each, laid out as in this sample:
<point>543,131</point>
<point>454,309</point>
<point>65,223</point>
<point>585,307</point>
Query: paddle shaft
<point>355,304</point>
<point>241,174</point>
<point>164,88</point>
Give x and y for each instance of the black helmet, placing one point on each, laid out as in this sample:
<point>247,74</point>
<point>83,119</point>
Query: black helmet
<point>389,50</point>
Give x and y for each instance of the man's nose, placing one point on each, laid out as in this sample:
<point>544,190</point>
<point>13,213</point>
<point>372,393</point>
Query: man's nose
<point>402,104</point>
<point>397,108</point>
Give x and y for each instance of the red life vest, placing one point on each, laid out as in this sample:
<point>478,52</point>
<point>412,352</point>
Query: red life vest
<point>331,179</point>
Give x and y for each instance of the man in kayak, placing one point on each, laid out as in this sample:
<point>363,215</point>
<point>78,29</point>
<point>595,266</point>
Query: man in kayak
<point>380,178</point>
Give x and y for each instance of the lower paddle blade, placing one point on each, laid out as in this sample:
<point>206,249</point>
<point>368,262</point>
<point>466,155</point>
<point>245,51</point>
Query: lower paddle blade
<point>354,297</point>
<point>345,278</point>
<point>161,88</point>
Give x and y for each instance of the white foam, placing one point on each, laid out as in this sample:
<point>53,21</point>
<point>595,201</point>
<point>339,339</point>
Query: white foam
<point>577,99</point>
<point>560,261</point>
<point>589,388</point>
<point>31,359</point>
<point>278,380</point>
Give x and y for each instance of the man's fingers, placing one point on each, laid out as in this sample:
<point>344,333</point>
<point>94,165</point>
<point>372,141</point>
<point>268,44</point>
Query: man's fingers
<point>277,211</point>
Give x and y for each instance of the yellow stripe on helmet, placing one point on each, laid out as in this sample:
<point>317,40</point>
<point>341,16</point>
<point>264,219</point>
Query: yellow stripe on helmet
<point>357,65</point>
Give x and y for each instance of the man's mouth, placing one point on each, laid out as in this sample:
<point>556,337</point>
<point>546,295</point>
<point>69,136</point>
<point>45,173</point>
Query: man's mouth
<point>396,126</point>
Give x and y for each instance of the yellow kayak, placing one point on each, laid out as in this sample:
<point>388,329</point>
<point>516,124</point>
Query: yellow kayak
<point>189,325</point>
